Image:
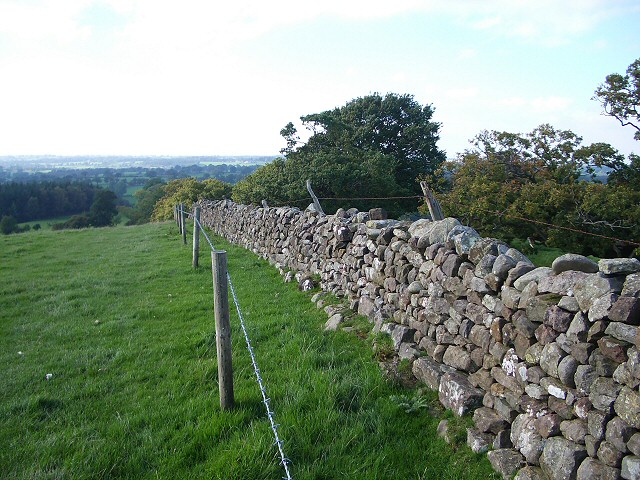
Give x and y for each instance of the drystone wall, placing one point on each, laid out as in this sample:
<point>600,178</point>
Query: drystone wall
<point>545,359</point>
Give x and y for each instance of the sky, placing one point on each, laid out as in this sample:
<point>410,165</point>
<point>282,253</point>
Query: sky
<point>205,77</point>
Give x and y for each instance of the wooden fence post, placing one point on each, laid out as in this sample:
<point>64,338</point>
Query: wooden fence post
<point>316,202</point>
<point>183,225</point>
<point>196,236</point>
<point>435,210</point>
<point>223,328</point>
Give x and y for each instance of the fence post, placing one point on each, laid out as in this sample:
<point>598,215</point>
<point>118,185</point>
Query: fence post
<point>196,236</point>
<point>223,328</point>
<point>183,224</point>
<point>316,202</point>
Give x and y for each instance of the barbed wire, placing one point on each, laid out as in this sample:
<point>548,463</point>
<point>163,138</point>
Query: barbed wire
<point>284,461</point>
<point>265,399</point>
<point>575,230</point>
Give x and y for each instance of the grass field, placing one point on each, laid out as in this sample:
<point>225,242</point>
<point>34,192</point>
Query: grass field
<point>124,326</point>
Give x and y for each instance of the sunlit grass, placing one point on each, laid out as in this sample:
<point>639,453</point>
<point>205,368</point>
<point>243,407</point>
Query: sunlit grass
<point>124,326</point>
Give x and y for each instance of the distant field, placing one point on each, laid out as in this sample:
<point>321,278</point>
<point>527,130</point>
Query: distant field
<point>46,224</point>
<point>124,326</point>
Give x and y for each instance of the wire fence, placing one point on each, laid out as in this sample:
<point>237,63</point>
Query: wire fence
<point>284,461</point>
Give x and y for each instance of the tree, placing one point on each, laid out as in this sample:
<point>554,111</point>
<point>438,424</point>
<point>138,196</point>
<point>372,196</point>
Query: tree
<point>188,191</point>
<point>620,97</point>
<point>373,146</point>
<point>103,209</point>
<point>8,224</point>
<point>546,177</point>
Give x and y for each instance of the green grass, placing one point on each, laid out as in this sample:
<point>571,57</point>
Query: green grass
<point>125,327</point>
<point>46,223</point>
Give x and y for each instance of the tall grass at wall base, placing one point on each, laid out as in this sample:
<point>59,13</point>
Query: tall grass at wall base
<point>125,328</point>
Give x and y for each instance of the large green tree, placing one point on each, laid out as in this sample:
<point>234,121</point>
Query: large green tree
<point>103,209</point>
<point>620,97</point>
<point>373,146</point>
<point>548,178</point>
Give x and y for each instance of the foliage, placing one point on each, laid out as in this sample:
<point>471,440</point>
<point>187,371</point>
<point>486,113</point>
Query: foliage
<point>41,200</point>
<point>75,222</point>
<point>411,403</point>
<point>129,341</point>
<point>146,199</point>
<point>516,186</point>
<point>188,191</point>
<point>8,224</point>
<point>373,146</point>
<point>103,209</point>
<point>620,97</point>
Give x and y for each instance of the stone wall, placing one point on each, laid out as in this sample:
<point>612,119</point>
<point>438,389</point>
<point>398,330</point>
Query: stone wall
<point>546,359</point>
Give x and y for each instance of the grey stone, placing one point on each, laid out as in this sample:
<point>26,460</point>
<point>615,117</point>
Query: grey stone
<point>578,328</point>
<point>533,276</point>
<point>487,420</point>
<point>634,444</point>
<point>614,349</point>
<point>550,358</point>
<point>487,246</point>
<point>451,265</point>
<point>630,468</point>
<point>443,431</point>
<point>502,265</point>
<point>603,392</point>
<point>510,297</point>
<point>596,423</point>
<point>619,433</point>
<point>459,358</point>
<point>506,461</point>
<point>558,319</point>
<point>420,227</point>
<point>456,393</point>
<point>592,469</point>
<point>554,387</point>
<point>518,256</point>
<point>530,473</point>
<point>561,458</point>
<point>334,322</point>
<point>609,454</point>
<point>408,351</point>
<point>548,425</point>
<point>627,406</point>
<point>440,230</point>
<point>479,442</point>
<point>584,377</point>
<point>571,261</point>
<point>600,307</point>
<point>526,439</point>
<point>414,287</point>
<point>518,271</point>
<point>537,306</point>
<point>464,239</point>
<point>594,286</point>
<point>427,371</point>
<point>619,266</point>
<point>562,284</point>
<point>402,334</point>
<point>566,371</point>
<point>627,310</point>
<point>631,286</point>
<point>592,445</point>
<point>569,303</point>
<point>582,407</point>
<point>622,331</point>
<point>574,430</point>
